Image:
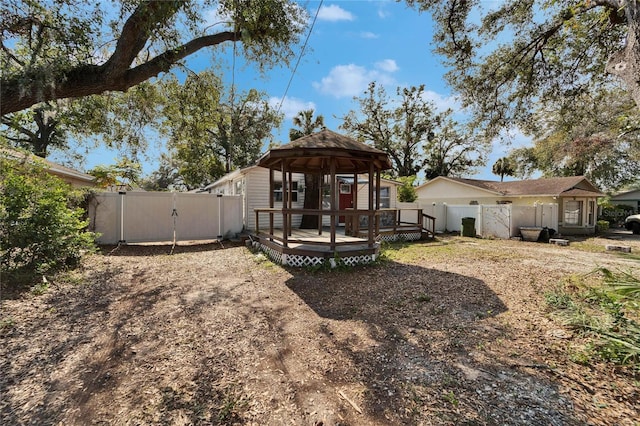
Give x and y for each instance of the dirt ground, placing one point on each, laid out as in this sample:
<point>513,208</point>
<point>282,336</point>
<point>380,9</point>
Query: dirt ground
<point>454,331</point>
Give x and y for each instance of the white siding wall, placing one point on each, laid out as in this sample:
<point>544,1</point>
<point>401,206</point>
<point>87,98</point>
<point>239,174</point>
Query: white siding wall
<point>257,196</point>
<point>363,194</point>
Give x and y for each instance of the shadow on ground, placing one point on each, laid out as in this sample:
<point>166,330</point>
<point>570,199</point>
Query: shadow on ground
<point>161,249</point>
<point>426,324</point>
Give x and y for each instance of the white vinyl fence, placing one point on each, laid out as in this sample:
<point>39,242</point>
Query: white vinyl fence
<point>135,217</point>
<point>493,220</point>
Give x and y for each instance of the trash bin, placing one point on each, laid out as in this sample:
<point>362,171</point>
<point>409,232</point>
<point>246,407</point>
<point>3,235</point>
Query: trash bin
<point>468,226</point>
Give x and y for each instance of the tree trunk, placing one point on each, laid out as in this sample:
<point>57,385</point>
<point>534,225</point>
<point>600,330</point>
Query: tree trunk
<point>625,64</point>
<point>311,201</point>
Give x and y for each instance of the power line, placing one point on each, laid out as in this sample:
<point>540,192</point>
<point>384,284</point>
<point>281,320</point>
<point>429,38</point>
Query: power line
<point>304,46</point>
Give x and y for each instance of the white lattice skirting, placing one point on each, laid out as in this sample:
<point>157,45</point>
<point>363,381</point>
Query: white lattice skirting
<point>408,236</point>
<point>306,261</point>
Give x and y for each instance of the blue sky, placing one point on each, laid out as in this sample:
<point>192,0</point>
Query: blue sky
<point>352,44</point>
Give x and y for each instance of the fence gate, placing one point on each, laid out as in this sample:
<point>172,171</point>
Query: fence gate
<point>496,221</point>
<point>135,217</point>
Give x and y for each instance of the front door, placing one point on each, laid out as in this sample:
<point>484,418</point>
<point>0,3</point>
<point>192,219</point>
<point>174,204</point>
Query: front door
<point>345,200</point>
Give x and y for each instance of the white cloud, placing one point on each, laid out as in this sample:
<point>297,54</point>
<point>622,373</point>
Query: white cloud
<point>388,65</point>
<point>291,106</point>
<point>512,138</point>
<point>442,102</point>
<point>368,34</point>
<point>351,80</point>
<point>382,13</point>
<point>334,13</point>
<point>213,17</point>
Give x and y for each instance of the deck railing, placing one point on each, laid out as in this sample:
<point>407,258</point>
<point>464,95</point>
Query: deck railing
<point>357,223</point>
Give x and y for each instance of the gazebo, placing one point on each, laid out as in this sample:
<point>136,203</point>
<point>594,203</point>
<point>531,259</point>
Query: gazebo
<point>325,154</point>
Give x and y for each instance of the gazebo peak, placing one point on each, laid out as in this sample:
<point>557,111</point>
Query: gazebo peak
<point>328,139</point>
<point>313,152</point>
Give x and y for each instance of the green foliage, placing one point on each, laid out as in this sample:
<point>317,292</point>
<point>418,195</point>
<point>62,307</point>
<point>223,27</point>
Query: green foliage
<point>412,133</point>
<point>116,120</point>
<point>452,151</point>
<point>74,48</point>
<point>508,58</point>
<point>305,124</point>
<point>602,225</point>
<point>615,213</point>
<point>399,131</point>
<point>210,132</point>
<point>597,136</point>
<point>407,192</point>
<point>606,315</point>
<point>166,177</point>
<point>504,167</point>
<point>40,230</point>
<point>124,173</point>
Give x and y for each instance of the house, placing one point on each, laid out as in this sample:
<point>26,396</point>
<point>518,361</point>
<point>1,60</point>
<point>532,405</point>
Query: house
<point>629,198</point>
<point>533,200</point>
<point>253,184</point>
<point>71,176</point>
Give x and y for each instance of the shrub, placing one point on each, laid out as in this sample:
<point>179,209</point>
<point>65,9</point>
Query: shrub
<point>615,213</point>
<point>41,227</point>
<point>602,225</point>
<point>606,315</point>
<point>407,192</point>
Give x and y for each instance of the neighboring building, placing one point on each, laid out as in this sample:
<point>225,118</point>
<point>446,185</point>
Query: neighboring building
<point>575,198</point>
<point>629,198</point>
<point>253,184</point>
<point>71,176</point>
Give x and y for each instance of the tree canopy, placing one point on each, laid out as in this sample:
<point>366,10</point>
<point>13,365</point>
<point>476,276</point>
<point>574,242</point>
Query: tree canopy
<point>116,120</point>
<point>56,49</point>
<point>211,130</point>
<point>416,137</point>
<point>504,166</point>
<point>525,53</point>
<point>598,137</point>
<point>398,128</point>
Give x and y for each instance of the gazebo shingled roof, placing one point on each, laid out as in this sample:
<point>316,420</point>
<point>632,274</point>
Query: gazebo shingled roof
<point>311,153</point>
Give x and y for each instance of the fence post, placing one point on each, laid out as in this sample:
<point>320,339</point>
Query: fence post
<point>219,196</point>
<point>122,194</point>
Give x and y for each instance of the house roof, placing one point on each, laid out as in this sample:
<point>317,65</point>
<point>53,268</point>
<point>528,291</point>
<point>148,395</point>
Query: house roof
<point>557,186</point>
<point>229,176</point>
<point>628,195</point>
<point>312,153</point>
<point>63,172</point>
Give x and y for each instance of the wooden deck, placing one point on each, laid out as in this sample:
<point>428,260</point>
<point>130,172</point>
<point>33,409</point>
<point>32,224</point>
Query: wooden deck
<point>309,242</point>
<point>355,243</point>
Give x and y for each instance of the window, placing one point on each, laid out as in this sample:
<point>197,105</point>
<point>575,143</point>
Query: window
<point>239,187</point>
<point>345,188</point>
<point>572,212</point>
<point>592,213</point>
<point>277,192</point>
<point>385,197</point>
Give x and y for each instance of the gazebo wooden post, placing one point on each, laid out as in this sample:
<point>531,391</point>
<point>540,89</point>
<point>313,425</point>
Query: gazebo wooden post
<point>271,202</point>
<point>332,170</point>
<point>355,219</point>
<point>371,215</point>
<point>290,179</point>
<point>285,215</point>
<point>377,202</point>
<point>320,178</point>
